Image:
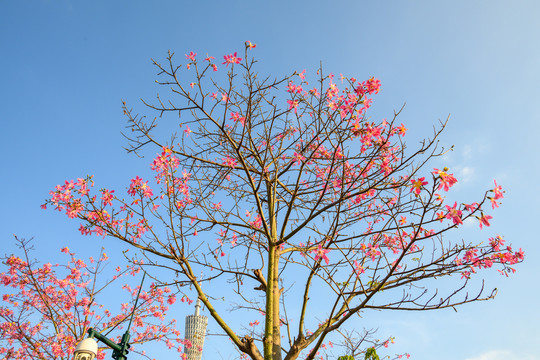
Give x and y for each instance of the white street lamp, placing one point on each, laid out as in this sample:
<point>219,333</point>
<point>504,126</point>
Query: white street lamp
<point>86,350</point>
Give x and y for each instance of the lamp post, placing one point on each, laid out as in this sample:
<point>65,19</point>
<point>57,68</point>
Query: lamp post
<point>87,348</point>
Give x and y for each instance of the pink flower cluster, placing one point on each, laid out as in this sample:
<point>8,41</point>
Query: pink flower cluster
<point>47,308</point>
<point>231,59</point>
<point>137,186</point>
<point>165,164</point>
<point>235,116</point>
<point>446,181</point>
<point>474,259</point>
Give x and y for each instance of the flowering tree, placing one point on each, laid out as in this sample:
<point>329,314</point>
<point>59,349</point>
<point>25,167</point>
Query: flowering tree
<point>286,186</point>
<point>47,309</point>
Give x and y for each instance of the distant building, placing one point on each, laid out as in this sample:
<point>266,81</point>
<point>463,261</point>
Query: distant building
<point>195,333</point>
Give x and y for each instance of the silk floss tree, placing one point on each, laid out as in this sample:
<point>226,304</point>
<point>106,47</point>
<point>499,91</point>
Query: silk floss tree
<point>287,187</point>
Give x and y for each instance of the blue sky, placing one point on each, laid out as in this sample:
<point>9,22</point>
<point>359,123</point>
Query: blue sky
<point>66,66</point>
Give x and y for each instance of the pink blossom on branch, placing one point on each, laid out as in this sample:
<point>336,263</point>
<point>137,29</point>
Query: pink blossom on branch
<point>191,56</point>
<point>418,184</point>
<point>498,191</point>
<point>454,214</point>
<point>498,195</point>
<point>229,161</point>
<point>446,180</point>
<point>293,104</point>
<point>484,220</point>
<point>231,59</point>
<point>320,254</point>
<point>50,307</point>
<point>236,117</point>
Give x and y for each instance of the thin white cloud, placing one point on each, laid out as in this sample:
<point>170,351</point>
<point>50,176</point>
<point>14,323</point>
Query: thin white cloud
<point>466,174</point>
<point>470,222</point>
<point>466,151</point>
<point>504,355</point>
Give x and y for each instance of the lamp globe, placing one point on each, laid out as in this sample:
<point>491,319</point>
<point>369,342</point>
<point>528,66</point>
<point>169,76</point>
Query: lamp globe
<point>86,350</point>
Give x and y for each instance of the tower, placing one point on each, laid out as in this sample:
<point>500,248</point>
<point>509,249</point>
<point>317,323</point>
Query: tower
<point>195,333</point>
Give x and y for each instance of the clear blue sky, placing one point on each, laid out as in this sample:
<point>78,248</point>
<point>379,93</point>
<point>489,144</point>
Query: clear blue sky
<point>66,65</point>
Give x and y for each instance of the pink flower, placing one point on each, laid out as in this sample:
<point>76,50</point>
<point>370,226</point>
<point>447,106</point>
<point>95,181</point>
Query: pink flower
<point>293,104</point>
<point>373,251</point>
<point>358,268</point>
<point>496,243</point>
<point>320,253</point>
<point>257,223</point>
<point>107,196</point>
<point>417,185</point>
<point>401,130</point>
<point>372,86</point>
<point>447,180</point>
<point>498,191</point>
<point>454,214</point>
<point>299,158</point>
<point>188,130</point>
<point>236,117</point>
<point>229,161</point>
<point>231,59</point>
<point>302,74</point>
<point>137,184</point>
<point>291,88</point>
<point>484,220</point>
<point>472,207</point>
<point>191,56</point>
<point>498,195</point>
<point>250,45</point>
<point>314,92</point>
<point>520,255</point>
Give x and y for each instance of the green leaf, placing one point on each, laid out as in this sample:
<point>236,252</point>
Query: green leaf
<point>371,354</point>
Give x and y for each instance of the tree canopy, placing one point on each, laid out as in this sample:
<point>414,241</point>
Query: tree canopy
<point>285,186</point>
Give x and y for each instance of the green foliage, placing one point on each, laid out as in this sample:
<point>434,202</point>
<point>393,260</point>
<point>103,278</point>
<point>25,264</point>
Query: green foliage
<point>373,284</point>
<point>346,357</point>
<point>371,354</point>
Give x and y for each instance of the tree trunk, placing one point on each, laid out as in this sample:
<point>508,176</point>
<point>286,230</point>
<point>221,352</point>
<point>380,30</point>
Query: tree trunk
<point>272,339</point>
